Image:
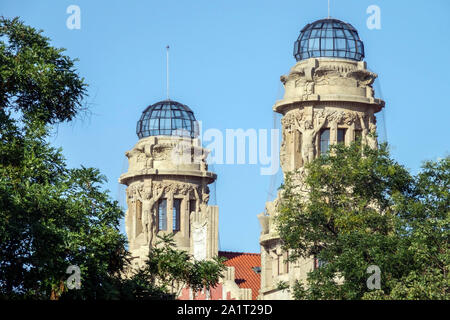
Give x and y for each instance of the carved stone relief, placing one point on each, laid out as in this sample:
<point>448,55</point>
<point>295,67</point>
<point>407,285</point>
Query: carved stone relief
<point>199,235</point>
<point>150,192</point>
<point>331,74</point>
<point>310,79</point>
<point>309,128</point>
<point>171,153</point>
<point>369,128</point>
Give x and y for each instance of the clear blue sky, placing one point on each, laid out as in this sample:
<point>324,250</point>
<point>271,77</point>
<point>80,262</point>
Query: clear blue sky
<point>226,60</point>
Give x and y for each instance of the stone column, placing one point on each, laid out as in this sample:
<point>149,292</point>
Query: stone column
<point>350,136</point>
<point>169,212</point>
<point>183,216</point>
<point>333,132</point>
<point>297,157</point>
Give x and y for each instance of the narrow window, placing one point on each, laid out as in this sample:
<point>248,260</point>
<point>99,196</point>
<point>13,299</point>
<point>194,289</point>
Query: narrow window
<point>176,214</point>
<point>358,136</point>
<point>191,206</point>
<point>191,209</point>
<point>318,263</point>
<point>278,265</point>
<point>341,135</point>
<point>299,151</point>
<point>286,262</point>
<point>138,217</point>
<point>324,141</point>
<point>162,215</point>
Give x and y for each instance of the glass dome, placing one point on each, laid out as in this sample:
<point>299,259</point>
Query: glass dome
<point>167,118</point>
<point>329,38</point>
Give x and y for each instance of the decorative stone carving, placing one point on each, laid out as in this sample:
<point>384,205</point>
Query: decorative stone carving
<point>284,155</point>
<point>369,129</point>
<point>342,117</point>
<point>328,80</point>
<point>309,90</point>
<point>288,137</point>
<point>199,240</point>
<point>264,221</point>
<point>298,120</point>
<point>139,158</point>
<point>204,205</point>
<point>154,172</point>
<point>129,213</point>
<point>309,133</point>
<point>153,214</point>
<point>203,163</point>
<point>362,76</point>
<point>149,195</point>
<point>162,151</point>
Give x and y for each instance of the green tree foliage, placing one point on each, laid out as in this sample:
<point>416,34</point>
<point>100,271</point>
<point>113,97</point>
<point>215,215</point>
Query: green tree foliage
<point>172,269</point>
<point>365,209</point>
<point>52,217</point>
<point>36,79</point>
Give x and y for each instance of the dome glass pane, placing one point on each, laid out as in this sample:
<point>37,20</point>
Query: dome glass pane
<point>329,38</point>
<point>167,118</point>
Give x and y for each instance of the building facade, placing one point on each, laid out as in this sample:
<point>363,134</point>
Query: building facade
<point>167,192</point>
<point>167,184</point>
<point>328,99</point>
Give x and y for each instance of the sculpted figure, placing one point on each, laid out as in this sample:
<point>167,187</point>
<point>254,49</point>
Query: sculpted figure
<point>130,202</point>
<point>372,141</point>
<point>308,137</point>
<point>350,118</point>
<point>149,200</point>
<point>130,195</point>
<point>153,230</point>
<point>204,204</point>
<point>184,189</point>
<point>144,193</point>
<point>283,151</point>
<point>309,89</point>
<point>149,163</point>
<point>201,204</point>
<point>368,132</point>
<point>134,152</point>
<point>197,201</point>
<point>203,163</point>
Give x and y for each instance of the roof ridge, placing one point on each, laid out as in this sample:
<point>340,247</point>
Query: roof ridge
<point>248,253</point>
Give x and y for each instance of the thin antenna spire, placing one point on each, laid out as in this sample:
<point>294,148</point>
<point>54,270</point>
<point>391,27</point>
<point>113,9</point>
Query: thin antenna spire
<point>328,9</point>
<point>167,71</point>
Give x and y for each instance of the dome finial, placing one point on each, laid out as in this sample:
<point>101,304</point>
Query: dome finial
<point>167,71</point>
<point>328,9</point>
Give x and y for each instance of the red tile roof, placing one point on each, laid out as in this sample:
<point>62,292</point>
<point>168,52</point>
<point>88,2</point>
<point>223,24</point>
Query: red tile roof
<point>245,276</point>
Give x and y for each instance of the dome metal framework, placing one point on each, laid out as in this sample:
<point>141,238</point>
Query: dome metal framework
<point>329,38</point>
<point>167,118</point>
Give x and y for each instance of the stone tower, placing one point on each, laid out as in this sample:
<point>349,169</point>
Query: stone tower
<point>328,99</point>
<point>167,184</point>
